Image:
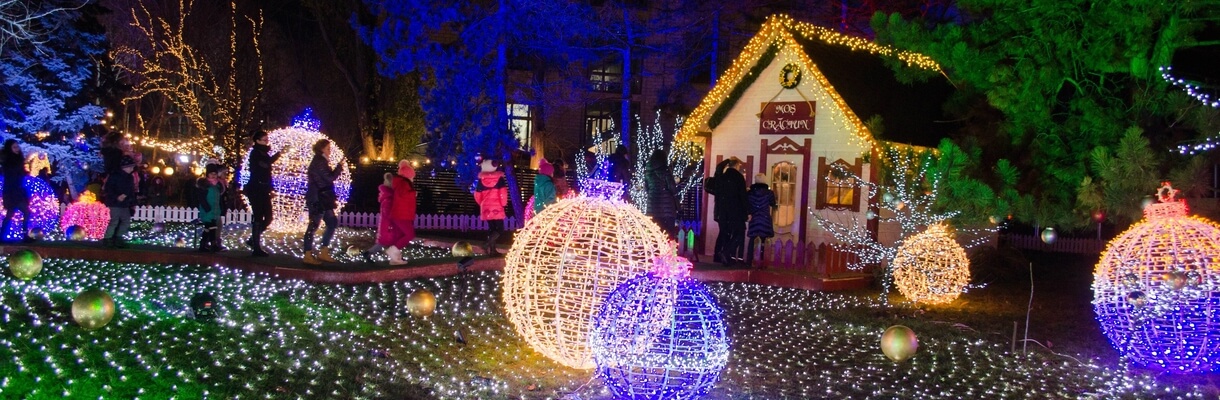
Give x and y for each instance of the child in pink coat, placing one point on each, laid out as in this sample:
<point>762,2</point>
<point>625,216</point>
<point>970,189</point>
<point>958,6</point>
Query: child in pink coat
<point>385,196</point>
<point>491,192</point>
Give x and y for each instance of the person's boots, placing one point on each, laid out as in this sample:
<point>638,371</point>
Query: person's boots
<point>395,255</point>
<point>310,258</point>
<point>324,255</point>
<point>490,246</point>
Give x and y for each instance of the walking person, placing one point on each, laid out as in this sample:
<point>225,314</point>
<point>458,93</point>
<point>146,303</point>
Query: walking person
<point>320,201</point>
<point>762,204</point>
<point>258,191</point>
<point>491,192</point>
<point>402,213</point>
<point>384,238</point>
<point>544,186</point>
<point>120,198</point>
<point>730,210</point>
<point>208,189</point>
<point>662,196</point>
<point>16,196</point>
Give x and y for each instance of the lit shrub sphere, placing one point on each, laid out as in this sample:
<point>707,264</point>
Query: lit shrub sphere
<point>86,213</point>
<point>682,360</point>
<point>564,263</point>
<point>289,176</point>
<point>931,267</point>
<point>1155,291</point>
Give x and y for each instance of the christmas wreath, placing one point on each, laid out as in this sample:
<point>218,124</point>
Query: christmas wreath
<point>790,76</point>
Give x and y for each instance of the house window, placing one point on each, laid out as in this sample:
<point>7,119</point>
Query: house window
<point>607,77</point>
<point>783,181</point>
<point>521,122</point>
<point>840,186</point>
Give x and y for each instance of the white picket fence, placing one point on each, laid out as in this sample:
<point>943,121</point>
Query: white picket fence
<point>355,220</point>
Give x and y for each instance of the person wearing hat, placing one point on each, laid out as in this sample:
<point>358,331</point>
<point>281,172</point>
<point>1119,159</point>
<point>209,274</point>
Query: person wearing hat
<point>544,186</point>
<point>16,196</point>
<point>321,201</point>
<point>258,191</point>
<point>761,202</point>
<point>209,191</point>
<point>491,192</point>
<point>402,212</point>
<point>119,196</point>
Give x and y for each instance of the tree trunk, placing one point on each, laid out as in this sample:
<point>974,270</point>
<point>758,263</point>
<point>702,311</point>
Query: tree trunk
<point>625,128</point>
<point>501,121</point>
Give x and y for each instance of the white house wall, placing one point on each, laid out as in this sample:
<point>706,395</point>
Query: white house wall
<point>738,135</point>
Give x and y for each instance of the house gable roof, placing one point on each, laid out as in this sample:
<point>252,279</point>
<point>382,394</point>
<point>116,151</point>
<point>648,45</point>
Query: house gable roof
<point>863,85</point>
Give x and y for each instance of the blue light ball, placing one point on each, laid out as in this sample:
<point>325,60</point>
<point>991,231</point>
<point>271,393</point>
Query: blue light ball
<point>44,205</point>
<point>659,338</point>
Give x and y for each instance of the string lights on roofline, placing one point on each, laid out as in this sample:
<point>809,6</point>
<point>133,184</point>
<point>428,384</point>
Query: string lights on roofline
<point>780,30</point>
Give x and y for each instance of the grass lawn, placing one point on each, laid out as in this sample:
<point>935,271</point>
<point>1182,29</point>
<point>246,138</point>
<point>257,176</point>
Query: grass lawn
<point>287,339</point>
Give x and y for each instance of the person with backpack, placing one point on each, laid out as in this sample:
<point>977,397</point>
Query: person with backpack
<point>544,186</point>
<point>208,189</point>
<point>762,204</point>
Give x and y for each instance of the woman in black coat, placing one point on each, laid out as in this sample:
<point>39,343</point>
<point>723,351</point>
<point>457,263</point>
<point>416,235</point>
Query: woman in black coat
<point>258,191</point>
<point>662,197</point>
<point>16,197</point>
<point>321,202</point>
<point>730,211</point>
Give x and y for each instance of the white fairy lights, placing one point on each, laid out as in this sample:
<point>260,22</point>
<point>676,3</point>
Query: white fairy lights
<point>1155,290</point>
<point>564,263</point>
<point>931,267</point>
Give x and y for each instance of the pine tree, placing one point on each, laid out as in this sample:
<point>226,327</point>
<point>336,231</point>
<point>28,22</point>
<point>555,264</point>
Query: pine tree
<point>44,81</point>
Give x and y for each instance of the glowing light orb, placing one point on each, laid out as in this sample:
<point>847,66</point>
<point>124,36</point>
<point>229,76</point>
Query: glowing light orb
<point>899,343</point>
<point>44,206</point>
<point>1156,291</point>
<point>1048,235</point>
<point>88,215</point>
<point>462,249</point>
<point>25,264</point>
<point>421,303</point>
<point>288,176</point>
<point>564,263</point>
<point>659,337</point>
<point>92,309</point>
<point>930,267</point>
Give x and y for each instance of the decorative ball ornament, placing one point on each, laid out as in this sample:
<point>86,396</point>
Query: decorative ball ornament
<point>44,208</point>
<point>660,335</point>
<point>564,263</point>
<point>463,249</point>
<point>354,250</point>
<point>1156,290</point>
<point>37,233</point>
<point>76,233</point>
<point>899,343</point>
<point>421,303</point>
<point>87,213</point>
<point>25,264</point>
<point>92,309</point>
<point>158,227</point>
<point>1048,235</point>
<point>930,267</point>
<point>180,242</point>
<point>288,174</point>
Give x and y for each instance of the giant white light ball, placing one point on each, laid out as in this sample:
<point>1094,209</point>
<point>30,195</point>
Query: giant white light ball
<point>289,176</point>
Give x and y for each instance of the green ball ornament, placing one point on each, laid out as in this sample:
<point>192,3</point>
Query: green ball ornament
<point>25,264</point>
<point>421,303</point>
<point>899,343</point>
<point>75,233</point>
<point>92,309</point>
<point>463,249</point>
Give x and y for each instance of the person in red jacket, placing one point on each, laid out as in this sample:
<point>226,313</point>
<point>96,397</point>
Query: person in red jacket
<point>385,230</point>
<point>402,213</point>
<point>491,192</point>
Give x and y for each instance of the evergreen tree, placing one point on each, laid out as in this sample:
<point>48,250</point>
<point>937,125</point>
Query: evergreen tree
<point>43,82</point>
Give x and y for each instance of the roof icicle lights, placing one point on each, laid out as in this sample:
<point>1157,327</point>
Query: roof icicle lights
<point>1155,289</point>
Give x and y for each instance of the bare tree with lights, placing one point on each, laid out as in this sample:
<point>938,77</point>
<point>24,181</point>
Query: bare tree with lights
<point>217,92</point>
<point>24,22</point>
<point>906,195</point>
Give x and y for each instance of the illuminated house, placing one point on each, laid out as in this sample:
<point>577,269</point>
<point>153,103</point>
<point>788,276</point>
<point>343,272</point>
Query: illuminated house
<point>794,103</point>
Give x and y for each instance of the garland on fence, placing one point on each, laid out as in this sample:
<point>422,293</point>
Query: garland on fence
<point>745,82</point>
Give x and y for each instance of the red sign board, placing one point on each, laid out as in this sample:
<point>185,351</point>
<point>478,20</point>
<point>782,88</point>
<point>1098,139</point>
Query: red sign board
<point>787,118</point>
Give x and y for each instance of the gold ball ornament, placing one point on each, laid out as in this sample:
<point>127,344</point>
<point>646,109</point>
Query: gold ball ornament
<point>75,233</point>
<point>92,309</point>
<point>180,242</point>
<point>930,267</point>
<point>463,249</point>
<point>354,250</point>
<point>564,264</point>
<point>421,303</point>
<point>899,343</point>
<point>25,264</point>
<point>1177,280</point>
